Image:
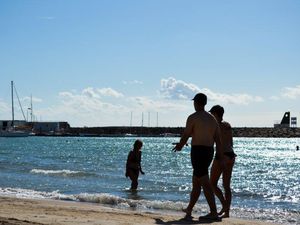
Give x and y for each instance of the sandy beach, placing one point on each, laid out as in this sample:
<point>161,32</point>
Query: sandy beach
<point>28,211</point>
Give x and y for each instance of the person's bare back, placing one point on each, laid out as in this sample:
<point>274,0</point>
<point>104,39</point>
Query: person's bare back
<point>203,128</point>
<point>226,136</point>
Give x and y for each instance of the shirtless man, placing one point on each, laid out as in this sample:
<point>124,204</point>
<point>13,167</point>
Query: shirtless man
<point>229,158</point>
<point>204,130</point>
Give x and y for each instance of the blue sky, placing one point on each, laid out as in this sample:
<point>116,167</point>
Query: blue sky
<point>93,63</point>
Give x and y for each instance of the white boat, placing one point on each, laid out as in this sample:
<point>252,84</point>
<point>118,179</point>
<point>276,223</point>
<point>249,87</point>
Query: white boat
<point>170,135</point>
<point>11,131</point>
<point>130,135</point>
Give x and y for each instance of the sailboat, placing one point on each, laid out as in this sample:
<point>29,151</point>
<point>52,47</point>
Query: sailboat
<point>11,131</point>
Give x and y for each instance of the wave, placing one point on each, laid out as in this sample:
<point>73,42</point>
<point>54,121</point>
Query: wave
<point>270,215</point>
<point>108,199</point>
<point>267,195</point>
<point>100,198</point>
<point>65,173</point>
<point>32,194</point>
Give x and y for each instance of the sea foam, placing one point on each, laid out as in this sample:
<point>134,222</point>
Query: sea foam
<point>63,172</point>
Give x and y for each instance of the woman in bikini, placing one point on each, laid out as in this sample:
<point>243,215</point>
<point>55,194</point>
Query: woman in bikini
<point>229,159</point>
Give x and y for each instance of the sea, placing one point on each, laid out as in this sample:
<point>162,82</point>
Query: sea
<point>265,179</point>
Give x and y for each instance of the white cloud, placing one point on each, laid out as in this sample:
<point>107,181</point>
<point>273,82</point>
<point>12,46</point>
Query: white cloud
<point>178,89</point>
<point>148,104</point>
<point>132,82</point>
<point>4,107</point>
<point>87,101</point>
<point>89,108</point>
<point>108,107</point>
<point>275,98</point>
<point>88,92</point>
<point>101,92</point>
<point>291,92</point>
<point>85,109</point>
<point>34,99</point>
<point>238,99</point>
<point>110,92</point>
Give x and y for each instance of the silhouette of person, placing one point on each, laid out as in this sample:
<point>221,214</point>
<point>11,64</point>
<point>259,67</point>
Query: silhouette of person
<point>133,164</point>
<point>205,131</point>
<point>297,147</point>
<point>229,158</point>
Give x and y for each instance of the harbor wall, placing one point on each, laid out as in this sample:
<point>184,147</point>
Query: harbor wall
<point>177,131</point>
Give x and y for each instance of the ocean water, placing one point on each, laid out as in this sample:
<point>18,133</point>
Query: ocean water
<point>265,182</point>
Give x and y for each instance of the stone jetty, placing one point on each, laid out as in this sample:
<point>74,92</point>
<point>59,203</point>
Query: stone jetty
<point>280,132</point>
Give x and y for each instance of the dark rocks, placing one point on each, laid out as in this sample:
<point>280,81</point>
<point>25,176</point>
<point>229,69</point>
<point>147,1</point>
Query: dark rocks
<point>160,131</point>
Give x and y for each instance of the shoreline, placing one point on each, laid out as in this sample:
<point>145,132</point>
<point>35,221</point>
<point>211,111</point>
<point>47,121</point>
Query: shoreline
<point>22,211</point>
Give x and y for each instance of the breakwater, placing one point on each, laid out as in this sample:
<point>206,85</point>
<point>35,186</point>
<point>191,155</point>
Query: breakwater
<point>266,132</point>
<point>177,131</point>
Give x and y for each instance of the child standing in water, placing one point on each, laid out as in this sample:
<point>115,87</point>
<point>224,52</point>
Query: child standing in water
<point>133,164</point>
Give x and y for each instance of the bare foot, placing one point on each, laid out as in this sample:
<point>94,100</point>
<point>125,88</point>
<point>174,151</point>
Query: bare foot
<point>226,215</point>
<point>186,211</point>
<point>221,212</point>
<point>224,210</point>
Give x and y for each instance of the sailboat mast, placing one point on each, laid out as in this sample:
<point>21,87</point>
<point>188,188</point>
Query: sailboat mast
<point>12,104</point>
<point>31,108</point>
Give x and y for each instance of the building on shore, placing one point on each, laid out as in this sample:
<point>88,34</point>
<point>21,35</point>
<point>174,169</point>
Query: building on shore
<point>287,121</point>
<point>50,128</point>
<point>38,128</point>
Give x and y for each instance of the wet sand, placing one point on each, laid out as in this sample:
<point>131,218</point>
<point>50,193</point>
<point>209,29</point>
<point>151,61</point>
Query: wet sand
<point>27,211</point>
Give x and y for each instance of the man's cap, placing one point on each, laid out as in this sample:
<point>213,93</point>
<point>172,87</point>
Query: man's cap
<point>200,98</point>
<point>219,110</point>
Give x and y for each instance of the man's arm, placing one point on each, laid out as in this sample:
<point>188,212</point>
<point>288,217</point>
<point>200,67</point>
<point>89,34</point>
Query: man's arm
<point>185,136</point>
<point>140,164</point>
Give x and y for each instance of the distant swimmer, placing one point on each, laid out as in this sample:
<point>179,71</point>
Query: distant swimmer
<point>133,164</point>
<point>297,148</point>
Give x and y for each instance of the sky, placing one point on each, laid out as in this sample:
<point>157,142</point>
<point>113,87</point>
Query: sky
<point>139,63</point>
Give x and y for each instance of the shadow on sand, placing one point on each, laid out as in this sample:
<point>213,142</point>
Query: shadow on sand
<point>184,221</point>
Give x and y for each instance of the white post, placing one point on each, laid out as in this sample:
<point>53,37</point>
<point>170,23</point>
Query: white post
<point>31,107</point>
<point>12,104</point>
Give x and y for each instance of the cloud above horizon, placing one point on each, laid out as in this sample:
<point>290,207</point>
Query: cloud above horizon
<point>132,82</point>
<point>180,90</point>
<point>4,108</point>
<point>110,92</point>
<point>85,108</point>
<point>91,107</point>
<point>291,92</point>
<point>105,106</point>
<point>27,99</point>
<point>101,92</point>
<point>91,99</point>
